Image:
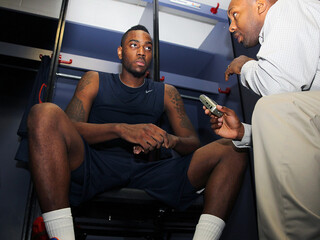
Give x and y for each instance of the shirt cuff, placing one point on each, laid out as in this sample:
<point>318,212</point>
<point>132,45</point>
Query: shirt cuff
<point>245,142</point>
<point>247,75</point>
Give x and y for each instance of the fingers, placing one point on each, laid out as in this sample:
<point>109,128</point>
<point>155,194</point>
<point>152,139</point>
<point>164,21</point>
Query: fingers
<point>216,122</point>
<point>206,111</point>
<point>149,143</point>
<point>137,149</point>
<point>158,138</point>
<point>166,142</point>
<point>235,66</point>
<point>225,110</point>
<point>151,137</point>
<point>171,141</point>
<point>209,113</point>
<point>227,73</point>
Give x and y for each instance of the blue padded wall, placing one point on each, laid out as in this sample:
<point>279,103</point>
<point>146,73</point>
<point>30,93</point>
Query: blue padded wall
<point>91,42</point>
<point>177,63</point>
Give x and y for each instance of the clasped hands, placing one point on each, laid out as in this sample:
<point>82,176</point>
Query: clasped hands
<point>147,137</point>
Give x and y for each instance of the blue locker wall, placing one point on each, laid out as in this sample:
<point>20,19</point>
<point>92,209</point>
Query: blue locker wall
<point>14,177</point>
<point>17,77</point>
<point>206,64</point>
<point>192,71</point>
<point>203,66</point>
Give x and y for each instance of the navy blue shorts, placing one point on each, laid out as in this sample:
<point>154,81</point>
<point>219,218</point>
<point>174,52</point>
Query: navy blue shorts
<point>102,170</point>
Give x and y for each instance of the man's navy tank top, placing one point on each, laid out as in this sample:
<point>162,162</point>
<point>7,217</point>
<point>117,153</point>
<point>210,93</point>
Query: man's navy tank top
<point>118,103</point>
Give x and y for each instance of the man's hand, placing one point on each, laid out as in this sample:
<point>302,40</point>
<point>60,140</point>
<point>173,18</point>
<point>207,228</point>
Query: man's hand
<point>147,137</point>
<point>227,126</point>
<point>235,66</point>
<point>171,143</point>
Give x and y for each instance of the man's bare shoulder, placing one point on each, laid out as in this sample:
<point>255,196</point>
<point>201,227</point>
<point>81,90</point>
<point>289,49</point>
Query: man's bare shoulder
<point>171,92</point>
<point>88,79</point>
<point>90,76</point>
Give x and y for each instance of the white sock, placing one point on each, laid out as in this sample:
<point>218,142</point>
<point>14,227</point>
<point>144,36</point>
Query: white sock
<point>209,227</point>
<point>59,224</point>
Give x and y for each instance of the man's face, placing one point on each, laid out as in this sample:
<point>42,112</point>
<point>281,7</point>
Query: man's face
<point>136,52</point>
<point>245,21</point>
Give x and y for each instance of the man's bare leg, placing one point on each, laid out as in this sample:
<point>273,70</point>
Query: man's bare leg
<point>55,149</point>
<point>219,167</point>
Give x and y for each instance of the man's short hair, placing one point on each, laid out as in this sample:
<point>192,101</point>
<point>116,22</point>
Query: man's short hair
<point>134,28</point>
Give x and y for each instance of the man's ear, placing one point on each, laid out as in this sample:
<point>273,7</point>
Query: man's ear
<point>262,6</point>
<point>120,53</point>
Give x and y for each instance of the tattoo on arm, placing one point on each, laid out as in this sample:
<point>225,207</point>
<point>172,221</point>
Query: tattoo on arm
<point>176,99</point>
<point>75,110</point>
<point>85,81</point>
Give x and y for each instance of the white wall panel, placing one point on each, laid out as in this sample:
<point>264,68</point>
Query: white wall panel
<point>110,14</point>
<point>120,16</point>
<point>182,31</point>
<point>50,8</point>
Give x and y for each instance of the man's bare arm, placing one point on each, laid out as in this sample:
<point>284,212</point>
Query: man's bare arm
<point>80,105</point>
<point>185,139</point>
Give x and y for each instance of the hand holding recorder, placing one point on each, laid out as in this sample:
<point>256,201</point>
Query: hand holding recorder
<point>224,121</point>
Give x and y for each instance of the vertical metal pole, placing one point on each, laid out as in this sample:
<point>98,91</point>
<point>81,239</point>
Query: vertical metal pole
<point>32,205</point>
<point>56,51</point>
<point>156,56</point>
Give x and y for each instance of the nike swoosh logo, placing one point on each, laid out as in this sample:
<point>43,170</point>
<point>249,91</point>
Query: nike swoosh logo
<point>148,91</point>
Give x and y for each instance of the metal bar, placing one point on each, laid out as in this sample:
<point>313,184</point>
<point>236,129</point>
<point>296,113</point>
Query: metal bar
<point>68,76</point>
<point>27,223</point>
<point>56,51</point>
<point>78,78</point>
<point>156,55</point>
<point>189,97</point>
<point>32,200</point>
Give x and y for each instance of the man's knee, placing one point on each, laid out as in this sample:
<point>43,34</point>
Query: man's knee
<point>234,155</point>
<point>43,116</point>
<point>222,150</point>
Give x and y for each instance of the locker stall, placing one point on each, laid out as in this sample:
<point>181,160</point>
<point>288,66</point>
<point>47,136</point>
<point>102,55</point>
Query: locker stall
<point>193,48</point>
<point>23,37</point>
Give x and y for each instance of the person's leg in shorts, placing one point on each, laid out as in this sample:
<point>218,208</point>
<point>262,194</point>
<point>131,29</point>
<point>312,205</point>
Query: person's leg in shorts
<point>219,167</point>
<point>55,149</point>
<point>100,171</point>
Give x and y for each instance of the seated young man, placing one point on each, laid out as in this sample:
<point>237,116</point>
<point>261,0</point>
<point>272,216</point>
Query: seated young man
<point>104,137</point>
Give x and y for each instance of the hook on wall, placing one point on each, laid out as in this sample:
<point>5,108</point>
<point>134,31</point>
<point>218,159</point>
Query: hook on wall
<point>64,61</point>
<point>60,61</point>
<point>227,91</point>
<point>214,10</point>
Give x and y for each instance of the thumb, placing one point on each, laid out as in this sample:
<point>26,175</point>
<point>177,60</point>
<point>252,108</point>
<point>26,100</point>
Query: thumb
<point>224,109</point>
